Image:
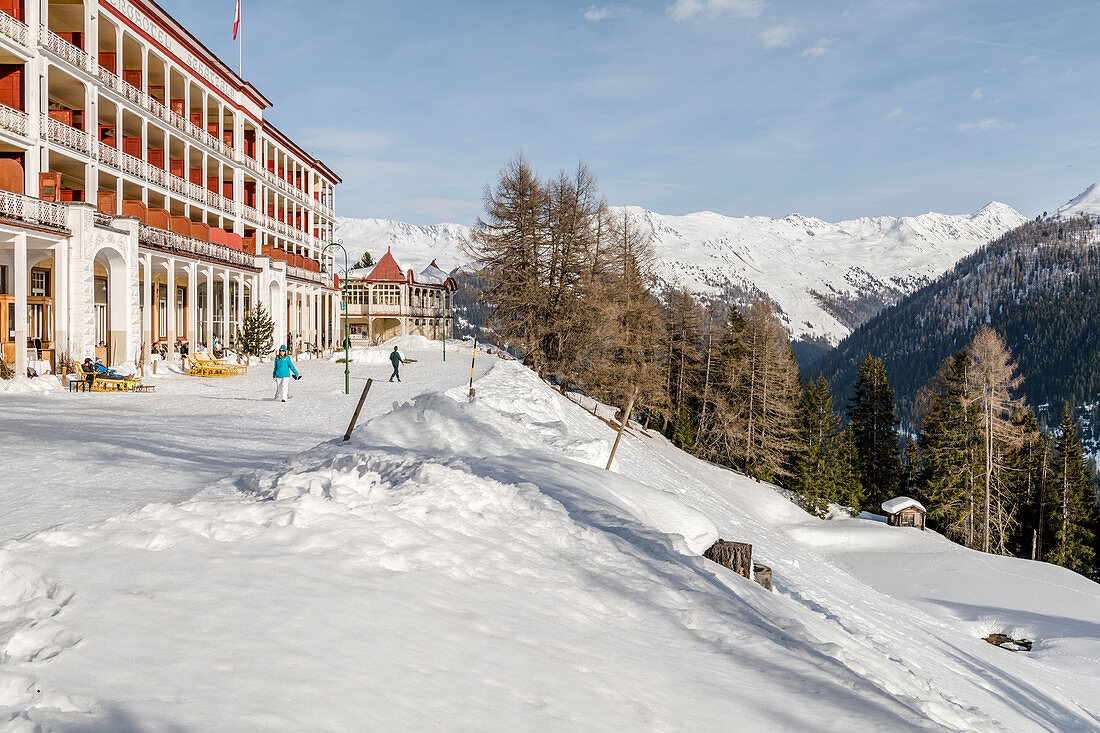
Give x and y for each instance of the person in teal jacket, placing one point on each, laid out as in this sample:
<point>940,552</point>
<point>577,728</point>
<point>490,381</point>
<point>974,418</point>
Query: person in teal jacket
<point>397,360</point>
<point>281,374</point>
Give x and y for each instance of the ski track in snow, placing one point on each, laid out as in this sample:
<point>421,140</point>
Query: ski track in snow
<point>468,565</point>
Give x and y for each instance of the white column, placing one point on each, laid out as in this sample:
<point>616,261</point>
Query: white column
<point>60,336</point>
<point>210,309</point>
<point>225,308</point>
<point>192,306</point>
<point>170,270</point>
<point>147,311</point>
<point>22,278</point>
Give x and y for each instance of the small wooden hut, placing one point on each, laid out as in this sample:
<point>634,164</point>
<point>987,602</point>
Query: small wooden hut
<point>902,511</point>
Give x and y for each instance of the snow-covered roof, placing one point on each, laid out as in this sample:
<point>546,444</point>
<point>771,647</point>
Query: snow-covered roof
<point>432,275</point>
<point>895,505</point>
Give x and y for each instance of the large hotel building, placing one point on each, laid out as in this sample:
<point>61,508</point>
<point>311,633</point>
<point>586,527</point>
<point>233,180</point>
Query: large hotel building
<point>143,197</point>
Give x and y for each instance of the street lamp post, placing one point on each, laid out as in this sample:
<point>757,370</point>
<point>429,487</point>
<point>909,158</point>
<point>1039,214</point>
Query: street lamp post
<point>344,314</point>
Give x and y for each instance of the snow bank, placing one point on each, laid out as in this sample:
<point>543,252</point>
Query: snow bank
<point>470,564</point>
<point>24,385</point>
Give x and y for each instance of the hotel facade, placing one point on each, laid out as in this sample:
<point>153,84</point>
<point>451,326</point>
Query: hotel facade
<point>143,198</point>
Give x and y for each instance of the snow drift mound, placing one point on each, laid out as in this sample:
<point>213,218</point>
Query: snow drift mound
<point>470,565</point>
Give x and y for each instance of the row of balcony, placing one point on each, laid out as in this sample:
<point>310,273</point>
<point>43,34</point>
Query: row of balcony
<point>395,309</point>
<point>81,142</point>
<point>84,61</point>
<point>172,242</point>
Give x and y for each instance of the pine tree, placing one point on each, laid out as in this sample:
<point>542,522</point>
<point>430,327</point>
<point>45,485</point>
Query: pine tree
<point>815,467</point>
<point>849,490</point>
<point>950,447</point>
<point>257,335</point>
<point>684,433</point>
<point>1075,502</point>
<point>364,262</point>
<point>871,414</point>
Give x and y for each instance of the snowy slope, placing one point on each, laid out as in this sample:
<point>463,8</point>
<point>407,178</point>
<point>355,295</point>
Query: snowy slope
<point>825,277</point>
<point>414,246</point>
<point>471,566</point>
<point>794,258</point>
<point>1086,202</point>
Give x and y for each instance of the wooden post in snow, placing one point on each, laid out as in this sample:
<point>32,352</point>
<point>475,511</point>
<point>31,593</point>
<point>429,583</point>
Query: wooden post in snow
<point>355,417</point>
<point>622,426</point>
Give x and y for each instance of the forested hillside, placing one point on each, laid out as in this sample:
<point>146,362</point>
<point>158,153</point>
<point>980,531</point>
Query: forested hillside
<point>1036,285</point>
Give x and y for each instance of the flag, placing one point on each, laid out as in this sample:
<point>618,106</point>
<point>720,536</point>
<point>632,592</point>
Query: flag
<point>236,19</point>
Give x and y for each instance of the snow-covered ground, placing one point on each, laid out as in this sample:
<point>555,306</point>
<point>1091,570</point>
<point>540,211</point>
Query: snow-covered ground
<point>471,566</point>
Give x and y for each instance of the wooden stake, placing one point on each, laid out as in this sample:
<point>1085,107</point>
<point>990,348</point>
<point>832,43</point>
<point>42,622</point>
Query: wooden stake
<point>472,360</point>
<point>355,417</point>
<point>622,426</point>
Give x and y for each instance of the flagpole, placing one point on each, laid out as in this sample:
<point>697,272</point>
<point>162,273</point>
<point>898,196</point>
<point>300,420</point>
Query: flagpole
<point>240,44</point>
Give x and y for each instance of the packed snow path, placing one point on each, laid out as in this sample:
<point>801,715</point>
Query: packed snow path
<point>468,566</point>
<point>85,457</point>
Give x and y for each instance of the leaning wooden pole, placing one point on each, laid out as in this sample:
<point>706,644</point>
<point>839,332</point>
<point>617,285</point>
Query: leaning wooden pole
<point>355,417</point>
<point>622,426</point>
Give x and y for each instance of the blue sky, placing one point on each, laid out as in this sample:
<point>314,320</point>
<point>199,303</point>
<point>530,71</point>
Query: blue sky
<point>744,107</point>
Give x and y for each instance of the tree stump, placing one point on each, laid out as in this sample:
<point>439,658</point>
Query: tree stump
<point>737,556</point>
<point>762,574</point>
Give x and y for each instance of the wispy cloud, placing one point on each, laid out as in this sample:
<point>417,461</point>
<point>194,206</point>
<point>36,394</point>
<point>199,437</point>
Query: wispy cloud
<point>777,36</point>
<point>895,113</point>
<point>820,48</point>
<point>688,9</point>
<point>603,12</point>
<point>1030,59</point>
<point>977,93</point>
<point>989,123</point>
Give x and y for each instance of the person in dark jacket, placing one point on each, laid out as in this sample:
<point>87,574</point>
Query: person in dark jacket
<point>284,367</point>
<point>397,361</point>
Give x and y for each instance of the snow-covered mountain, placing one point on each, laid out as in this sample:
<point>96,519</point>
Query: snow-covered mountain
<point>826,278</point>
<point>1086,202</point>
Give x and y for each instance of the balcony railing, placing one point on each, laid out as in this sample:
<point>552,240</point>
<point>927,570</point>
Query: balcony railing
<point>172,242</point>
<point>69,137</point>
<point>252,215</point>
<point>78,57</point>
<point>14,120</point>
<point>32,210</point>
<point>132,165</point>
<point>108,155</point>
<point>304,274</point>
<point>16,30</point>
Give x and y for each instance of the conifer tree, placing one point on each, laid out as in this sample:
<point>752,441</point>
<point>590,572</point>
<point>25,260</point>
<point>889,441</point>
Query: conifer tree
<point>816,464</point>
<point>257,334</point>
<point>1075,502</point>
<point>950,446</point>
<point>849,490</point>
<point>683,434</point>
<point>871,414</point>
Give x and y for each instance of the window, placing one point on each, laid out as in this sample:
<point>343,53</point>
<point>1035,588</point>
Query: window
<point>386,295</point>
<point>3,280</point>
<point>40,282</point>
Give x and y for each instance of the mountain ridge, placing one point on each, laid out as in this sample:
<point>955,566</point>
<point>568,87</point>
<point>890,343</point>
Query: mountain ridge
<point>825,277</point>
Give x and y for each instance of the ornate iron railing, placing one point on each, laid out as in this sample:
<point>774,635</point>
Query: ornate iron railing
<point>172,242</point>
<point>16,30</point>
<point>62,134</point>
<point>78,57</point>
<point>14,120</point>
<point>32,210</point>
